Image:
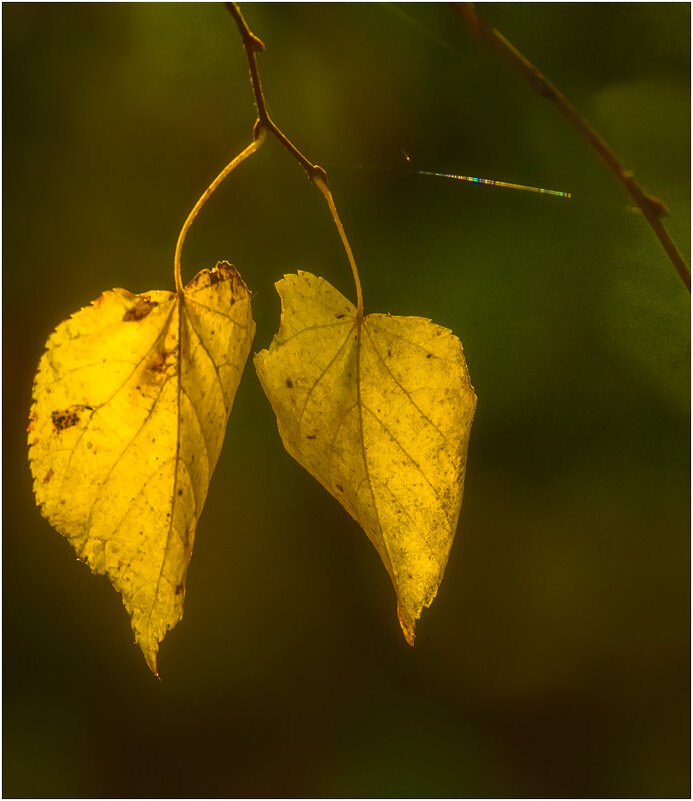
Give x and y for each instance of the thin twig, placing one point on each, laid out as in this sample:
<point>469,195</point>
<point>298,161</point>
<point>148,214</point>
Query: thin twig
<point>254,45</point>
<point>652,208</point>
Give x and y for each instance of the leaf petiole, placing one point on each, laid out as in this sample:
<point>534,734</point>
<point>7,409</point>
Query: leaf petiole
<point>321,183</point>
<point>242,156</point>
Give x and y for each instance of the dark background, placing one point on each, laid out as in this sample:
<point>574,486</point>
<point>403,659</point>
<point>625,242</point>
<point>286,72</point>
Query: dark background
<point>555,660</point>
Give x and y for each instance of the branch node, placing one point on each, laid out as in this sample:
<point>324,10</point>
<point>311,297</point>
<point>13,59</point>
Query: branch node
<point>544,88</point>
<point>658,208</point>
<point>319,173</point>
<point>255,43</point>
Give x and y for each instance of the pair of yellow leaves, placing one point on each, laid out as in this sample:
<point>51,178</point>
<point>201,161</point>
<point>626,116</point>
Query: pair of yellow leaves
<point>133,394</point>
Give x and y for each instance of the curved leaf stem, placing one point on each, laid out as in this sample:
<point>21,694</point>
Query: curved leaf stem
<point>652,208</point>
<point>252,46</point>
<point>319,181</point>
<point>242,156</point>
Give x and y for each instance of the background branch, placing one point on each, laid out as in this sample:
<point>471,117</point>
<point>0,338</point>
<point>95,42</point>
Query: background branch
<point>652,208</point>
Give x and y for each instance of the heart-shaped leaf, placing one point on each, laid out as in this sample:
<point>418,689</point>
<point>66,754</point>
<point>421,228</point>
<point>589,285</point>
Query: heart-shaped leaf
<point>379,410</point>
<point>131,401</point>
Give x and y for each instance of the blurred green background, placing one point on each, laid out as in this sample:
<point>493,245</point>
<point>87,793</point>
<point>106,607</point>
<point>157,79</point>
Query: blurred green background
<point>555,660</point>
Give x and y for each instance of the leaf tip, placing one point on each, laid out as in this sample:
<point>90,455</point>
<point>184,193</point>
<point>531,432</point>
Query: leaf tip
<point>150,655</point>
<point>408,627</point>
<point>151,664</point>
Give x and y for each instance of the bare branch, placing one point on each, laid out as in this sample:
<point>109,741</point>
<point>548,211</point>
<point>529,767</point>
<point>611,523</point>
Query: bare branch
<point>652,208</point>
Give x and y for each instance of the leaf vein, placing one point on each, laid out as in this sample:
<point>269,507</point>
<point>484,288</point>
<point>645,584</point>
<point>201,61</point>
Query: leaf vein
<point>363,446</point>
<point>199,425</point>
<point>209,356</point>
<point>416,344</point>
<point>216,311</point>
<point>314,328</point>
<point>318,380</point>
<point>408,395</point>
<point>411,459</point>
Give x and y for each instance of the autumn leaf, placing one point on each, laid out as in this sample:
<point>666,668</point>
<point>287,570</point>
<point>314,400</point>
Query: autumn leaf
<point>379,410</point>
<point>131,401</point>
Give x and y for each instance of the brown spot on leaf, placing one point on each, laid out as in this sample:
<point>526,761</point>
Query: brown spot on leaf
<point>141,309</point>
<point>311,436</point>
<point>158,362</point>
<point>339,316</point>
<point>65,419</point>
<point>48,476</point>
<point>179,588</point>
<point>187,537</point>
<point>289,383</point>
<point>339,487</point>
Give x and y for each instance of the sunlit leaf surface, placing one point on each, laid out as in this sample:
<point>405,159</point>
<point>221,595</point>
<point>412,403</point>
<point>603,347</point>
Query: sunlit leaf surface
<point>379,410</point>
<point>131,401</point>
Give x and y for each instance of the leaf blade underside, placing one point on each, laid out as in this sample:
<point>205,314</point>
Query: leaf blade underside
<point>130,405</point>
<point>379,410</point>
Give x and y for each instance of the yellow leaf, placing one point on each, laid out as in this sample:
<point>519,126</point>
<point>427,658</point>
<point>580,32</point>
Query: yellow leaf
<point>379,410</point>
<point>131,401</point>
